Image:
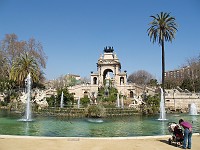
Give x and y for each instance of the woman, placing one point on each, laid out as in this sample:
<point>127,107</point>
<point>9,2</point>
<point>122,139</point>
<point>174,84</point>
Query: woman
<point>187,133</point>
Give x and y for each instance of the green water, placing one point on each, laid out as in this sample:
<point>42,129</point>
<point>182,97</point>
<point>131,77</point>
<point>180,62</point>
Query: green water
<point>107,127</point>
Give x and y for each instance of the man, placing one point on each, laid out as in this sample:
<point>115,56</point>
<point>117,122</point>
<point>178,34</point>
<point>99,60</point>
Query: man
<point>187,133</point>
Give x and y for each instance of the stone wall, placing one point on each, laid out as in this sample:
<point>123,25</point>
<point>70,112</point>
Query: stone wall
<point>175,100</point>
<point>74,112</point>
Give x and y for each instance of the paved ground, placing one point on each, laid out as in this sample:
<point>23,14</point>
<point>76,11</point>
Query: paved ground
<point>66,143</point>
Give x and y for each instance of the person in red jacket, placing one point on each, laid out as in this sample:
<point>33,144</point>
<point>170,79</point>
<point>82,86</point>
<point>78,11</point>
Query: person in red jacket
<point>187,133</point>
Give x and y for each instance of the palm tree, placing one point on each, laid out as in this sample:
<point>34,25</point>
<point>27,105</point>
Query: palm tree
<point>22,66</point>
<point>162,28</point>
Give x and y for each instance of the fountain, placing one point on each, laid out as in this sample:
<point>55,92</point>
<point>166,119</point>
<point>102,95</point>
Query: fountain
<point>107,84</point>
<point>28,116</point>
<point>162,106</point>
<point>118,102</point>
<point>61,100</point>
<point>122,102</point>
<point>78,104</point>
<point>193,109</point>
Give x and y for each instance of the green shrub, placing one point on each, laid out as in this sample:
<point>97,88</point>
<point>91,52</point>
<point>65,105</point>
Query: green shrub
<point>2,103</point>
<point>95,111</point>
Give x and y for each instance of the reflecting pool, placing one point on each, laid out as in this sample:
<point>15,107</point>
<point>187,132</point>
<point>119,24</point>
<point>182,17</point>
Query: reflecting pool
<point>128,126</point>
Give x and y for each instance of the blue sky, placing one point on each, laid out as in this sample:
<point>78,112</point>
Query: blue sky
<point>74,32</point>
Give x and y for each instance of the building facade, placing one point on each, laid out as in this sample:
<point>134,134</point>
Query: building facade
<point>179,74</point>
<point>109,69</point>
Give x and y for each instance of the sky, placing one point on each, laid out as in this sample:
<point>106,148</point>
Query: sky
<point>74,32</point>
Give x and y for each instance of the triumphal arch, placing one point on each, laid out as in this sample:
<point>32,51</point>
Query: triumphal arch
<point>108,67</point>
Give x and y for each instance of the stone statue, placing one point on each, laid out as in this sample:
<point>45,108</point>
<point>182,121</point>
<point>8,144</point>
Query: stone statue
<point>93,98</point>
<point>109,49</point>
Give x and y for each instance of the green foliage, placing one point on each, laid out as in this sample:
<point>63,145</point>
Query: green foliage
<point>95,111</point>
<point>197,85</point>
<point>85,101</point>
<point>191,84</point>
<point>6,85</point>
<point>68,98</point>
<point>22,66</point>
<point>111,97</point>
<point>152,105</point>
<point>2,103</point>
<point>10,96</point>
<point>38,85</point>
<point>162,28</point>
<point>71,81</point>
<point>15,64</point>
<point>51,101</point>
<point>153,100</point>
<point>187,84</point>
<point>153,82</point>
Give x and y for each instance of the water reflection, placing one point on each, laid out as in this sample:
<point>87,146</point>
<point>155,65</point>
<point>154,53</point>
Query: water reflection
<point>27,128</point>
<point>95,120</point>
<point>163,127</point>
<point>195,123</point>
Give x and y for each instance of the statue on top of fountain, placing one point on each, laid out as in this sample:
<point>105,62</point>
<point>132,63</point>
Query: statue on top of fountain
<point>108,49</point>
<point>93,99</point>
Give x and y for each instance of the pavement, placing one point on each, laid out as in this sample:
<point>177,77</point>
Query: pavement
<point>8,142</point>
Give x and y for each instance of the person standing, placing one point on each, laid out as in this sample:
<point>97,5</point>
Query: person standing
<point>187,133</point>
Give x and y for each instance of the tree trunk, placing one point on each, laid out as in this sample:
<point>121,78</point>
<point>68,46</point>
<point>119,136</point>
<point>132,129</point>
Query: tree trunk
<point>163,68</point>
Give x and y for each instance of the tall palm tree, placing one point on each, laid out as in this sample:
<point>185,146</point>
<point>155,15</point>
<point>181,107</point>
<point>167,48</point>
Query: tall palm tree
<point>162,28</point>
<point>22,66</point>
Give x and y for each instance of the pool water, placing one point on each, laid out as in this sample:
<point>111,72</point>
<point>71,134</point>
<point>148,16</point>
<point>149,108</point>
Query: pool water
<point>124,126</point>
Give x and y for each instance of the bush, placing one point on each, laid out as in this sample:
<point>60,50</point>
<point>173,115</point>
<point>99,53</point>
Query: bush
<point>85,101</point>
<point>95,111</point>
<point>51,101</point>
<point>2,103</point>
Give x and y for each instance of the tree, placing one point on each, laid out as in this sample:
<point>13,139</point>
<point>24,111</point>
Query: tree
<point>153,83</point>
<point>51,101</point>
<point>4,71</point>
<point>6,85</point>
<point>172,83</point>
<point>85,80</point>
<point>162,28</point>
<point>197,85</point>
<point>36,50</point>
<point>187,84</point>
<point>140,77</point>
<point>68,98</point>
<point>22,66</point>
<point>11,49</point>
<point>194,74</point>
<point>64,81</point>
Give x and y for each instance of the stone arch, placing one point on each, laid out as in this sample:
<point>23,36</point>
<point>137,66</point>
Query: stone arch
<point>110,73</point>
<point>105,72</point>
<point>121,80</point>
<point>131,94</point>
<point>95,80</point>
